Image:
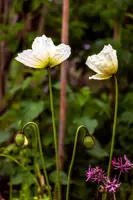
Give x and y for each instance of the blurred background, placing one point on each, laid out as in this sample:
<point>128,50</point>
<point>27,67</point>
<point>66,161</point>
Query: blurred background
<point>24,93</point>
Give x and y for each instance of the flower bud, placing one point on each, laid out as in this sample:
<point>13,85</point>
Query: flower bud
<point>89,142</point>
<point>21,139</point>
<point>101,188</point>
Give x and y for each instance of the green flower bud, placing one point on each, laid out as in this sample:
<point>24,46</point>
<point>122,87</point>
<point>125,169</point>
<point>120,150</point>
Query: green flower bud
<point>89,142</point>
<point>21,139</point>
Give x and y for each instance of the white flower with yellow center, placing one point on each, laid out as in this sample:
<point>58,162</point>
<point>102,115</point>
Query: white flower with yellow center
<point>105,64</point>
<point>44,53</point>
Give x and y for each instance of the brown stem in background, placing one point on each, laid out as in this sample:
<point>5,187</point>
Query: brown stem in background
<point>42,20</point>
<point>63,78</point>
<point>4,53</point>
<point>117,31</point>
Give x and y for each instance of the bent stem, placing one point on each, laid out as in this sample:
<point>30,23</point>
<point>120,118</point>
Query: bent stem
<point>73,157</point>
<point>55,135</point>
<point>114,130</point>
<point>36,130</point>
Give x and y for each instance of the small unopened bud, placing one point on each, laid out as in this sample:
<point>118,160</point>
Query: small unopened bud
<point>89,142</point>
<point>21,139</point>
<point>101,188</point>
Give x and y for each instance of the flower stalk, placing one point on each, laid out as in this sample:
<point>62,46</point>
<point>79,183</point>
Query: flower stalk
<point>114,131</point>
<point>36,131</point>
<point>55,134</point>
<point>114,126</point>
<point>73,157</point>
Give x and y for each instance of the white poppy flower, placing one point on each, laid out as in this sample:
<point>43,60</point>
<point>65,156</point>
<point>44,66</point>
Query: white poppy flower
<point>44,53</point>
<point>105,64</point>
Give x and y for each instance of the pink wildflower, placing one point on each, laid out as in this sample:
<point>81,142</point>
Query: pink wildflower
<point>95,174</point>
<point>124,165</point>
<point>111,186</point>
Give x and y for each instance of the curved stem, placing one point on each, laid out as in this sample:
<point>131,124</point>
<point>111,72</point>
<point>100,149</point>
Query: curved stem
<point>36,130</point>
<point>14,160</point>
<point>73,157</point>
<point>114,130</point>
<point>55,135</point>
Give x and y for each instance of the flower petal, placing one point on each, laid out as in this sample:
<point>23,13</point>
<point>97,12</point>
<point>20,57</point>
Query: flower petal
<point>43,48</point>
<point>100,76</point>
<point>111,58</point>
<point>28,58</point>
<point>44,53</point>
<point>92,63</point>
<point>105,62</point>
<point>62,53</point>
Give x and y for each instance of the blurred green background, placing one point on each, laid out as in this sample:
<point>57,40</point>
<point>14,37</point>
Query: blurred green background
<point>24,94</point>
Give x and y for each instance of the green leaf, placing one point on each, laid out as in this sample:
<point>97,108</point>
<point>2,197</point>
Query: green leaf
<point>127,117</point>
<point>97,151</point>
<point>90,124</point>
<point>63,175</point>
<point>30,110</point>
<point>4,136</point>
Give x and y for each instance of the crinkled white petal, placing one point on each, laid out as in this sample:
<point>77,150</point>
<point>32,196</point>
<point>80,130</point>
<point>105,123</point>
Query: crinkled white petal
<point>28,58</point>
<point>62,52</point>
<point>44,53</point>
<point>100,76</point>
<point>105,62</point>
<point>94,64</point>
<point>110,56</point>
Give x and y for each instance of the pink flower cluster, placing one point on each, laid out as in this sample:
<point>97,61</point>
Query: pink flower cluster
<point>111,186</point>
<point>98,175</point>
<point>122,164</point>
<point>95,174</point>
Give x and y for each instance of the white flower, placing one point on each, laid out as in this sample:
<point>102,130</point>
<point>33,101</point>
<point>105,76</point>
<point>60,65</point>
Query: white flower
<point>105,64</point>
<point>44,53</point>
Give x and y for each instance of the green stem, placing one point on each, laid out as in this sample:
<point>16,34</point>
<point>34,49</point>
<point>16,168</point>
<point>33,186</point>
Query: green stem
<point>36,130</point>
<point>55,135</point>
<point>73,157</point>
<point>35,160</point>
<point>114,130</point>
<point>10,194</point>
<point>14,160</point>
<point>119,177</point>
<point>114,126</point>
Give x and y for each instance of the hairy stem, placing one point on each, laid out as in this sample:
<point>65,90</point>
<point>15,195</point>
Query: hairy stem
<point>73,157</point>
<point>36,130</point>
<point>114,130</point>
<point>55,135</point>
<point>114,126</point>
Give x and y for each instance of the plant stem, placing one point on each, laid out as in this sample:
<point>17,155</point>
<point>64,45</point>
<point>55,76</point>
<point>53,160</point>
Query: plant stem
<point>73,157</point>
<point>119,177</point>
<point>55,135</point>
<point>114,197</point>
<point>114,130</point>
<point>36,130</point>
<point>10,193</point>
<point>114,126</point>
